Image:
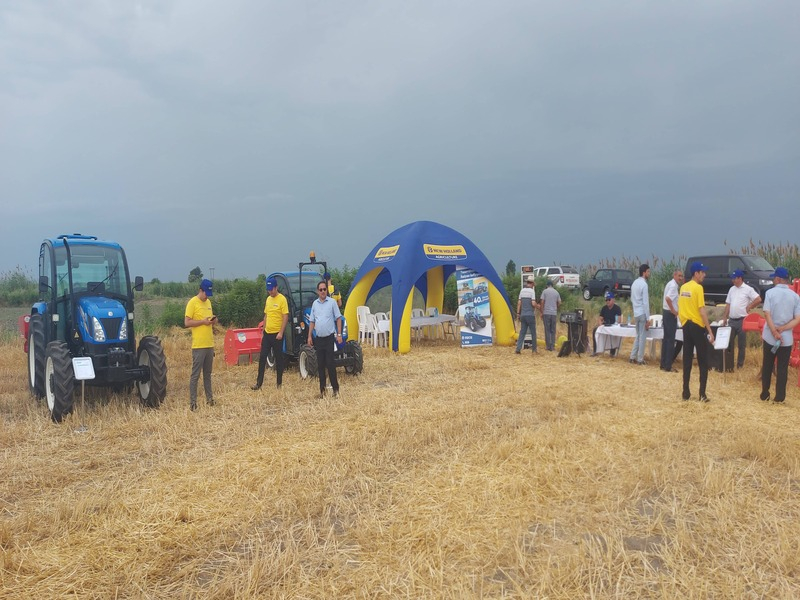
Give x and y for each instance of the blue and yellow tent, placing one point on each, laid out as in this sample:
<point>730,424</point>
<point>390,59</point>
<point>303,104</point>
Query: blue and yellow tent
<point>423,255</point>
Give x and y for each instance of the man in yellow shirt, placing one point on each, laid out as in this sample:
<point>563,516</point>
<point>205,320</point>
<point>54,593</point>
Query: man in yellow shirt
<point>276,316</point>
<point>200,318</point>
<point>692,313</point>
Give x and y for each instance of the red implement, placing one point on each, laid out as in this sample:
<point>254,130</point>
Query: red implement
<point>242,346</point>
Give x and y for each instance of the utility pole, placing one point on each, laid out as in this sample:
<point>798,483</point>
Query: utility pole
<point>211,272</point>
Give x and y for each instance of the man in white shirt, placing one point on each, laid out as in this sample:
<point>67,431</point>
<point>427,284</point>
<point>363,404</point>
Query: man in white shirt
<point>640,300</point>
<point>740,301</point>
<point>669,311</point>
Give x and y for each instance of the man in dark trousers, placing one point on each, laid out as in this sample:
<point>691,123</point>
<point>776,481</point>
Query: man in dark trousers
<point>326,320</point>
<point>782,314</point>
<point>693,315</point>
<point>669,311</point>
<point>276,316</point>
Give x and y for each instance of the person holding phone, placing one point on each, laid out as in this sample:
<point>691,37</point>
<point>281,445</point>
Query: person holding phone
<point>199,317</point>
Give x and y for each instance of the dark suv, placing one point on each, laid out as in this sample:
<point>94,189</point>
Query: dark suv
<point>609,280</point>
<point>720,266</point>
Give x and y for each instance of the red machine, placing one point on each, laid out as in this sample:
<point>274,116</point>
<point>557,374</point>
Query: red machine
<point>242,346</point>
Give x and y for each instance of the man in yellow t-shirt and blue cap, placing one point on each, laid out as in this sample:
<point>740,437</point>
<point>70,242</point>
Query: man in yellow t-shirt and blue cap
<point>199,317</point>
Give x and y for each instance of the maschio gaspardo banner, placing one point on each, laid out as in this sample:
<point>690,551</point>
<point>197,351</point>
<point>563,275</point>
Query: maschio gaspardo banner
<point>474,314</point>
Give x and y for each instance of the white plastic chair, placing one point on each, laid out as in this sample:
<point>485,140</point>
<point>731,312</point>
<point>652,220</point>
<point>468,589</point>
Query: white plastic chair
<point>365,324</point>
<point>417,312</point>
<point>655,321</point>
<point>381,337</point>
<point>438,327</point>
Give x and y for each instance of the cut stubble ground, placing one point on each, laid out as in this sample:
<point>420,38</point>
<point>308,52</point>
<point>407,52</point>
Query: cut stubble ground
<point>444,473</point>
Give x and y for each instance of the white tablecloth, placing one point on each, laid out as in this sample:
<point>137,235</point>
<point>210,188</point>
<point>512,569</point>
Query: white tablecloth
<point>420,322</point>
<point>610,336</point>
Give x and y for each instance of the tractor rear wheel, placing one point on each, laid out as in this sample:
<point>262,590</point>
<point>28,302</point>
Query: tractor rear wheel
<point>353,349</point>
<point>481,322</point>
<point>151,355</point>
<point>307,361</point>
<point>59,379</point>
<point>473,324</point>
<point>36,356</point>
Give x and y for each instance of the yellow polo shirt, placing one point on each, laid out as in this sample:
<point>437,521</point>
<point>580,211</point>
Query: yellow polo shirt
<point>274,309</point>
<point>690,300</point>
<point>197,310</point>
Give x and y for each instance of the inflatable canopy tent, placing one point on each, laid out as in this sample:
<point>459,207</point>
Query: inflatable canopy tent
<point>423,255</point>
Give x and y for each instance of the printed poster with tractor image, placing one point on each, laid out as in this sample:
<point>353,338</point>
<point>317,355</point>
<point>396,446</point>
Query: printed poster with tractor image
<point>474,315</point>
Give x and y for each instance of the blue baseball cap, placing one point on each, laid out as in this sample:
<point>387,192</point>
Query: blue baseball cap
<point>737,273</point>
<point>609,295</point>
<point>207,287</point>
<point>271,283</point>
<point>781,272</point>
<point>697,266</point>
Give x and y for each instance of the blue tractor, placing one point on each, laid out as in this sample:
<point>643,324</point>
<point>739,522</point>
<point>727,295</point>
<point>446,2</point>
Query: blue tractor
<point>300,289</point>
<point>85,309</point>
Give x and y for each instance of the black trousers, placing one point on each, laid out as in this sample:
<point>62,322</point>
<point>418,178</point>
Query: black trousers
<point>736,335</point>
<point>669,347</point>
<point>270,340</point>
<point>324,349</point>
<point>694,338</point>
<point>783,355</point>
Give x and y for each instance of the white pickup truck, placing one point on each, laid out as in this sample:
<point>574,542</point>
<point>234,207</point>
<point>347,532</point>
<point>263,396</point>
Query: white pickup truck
<point>561,276</point>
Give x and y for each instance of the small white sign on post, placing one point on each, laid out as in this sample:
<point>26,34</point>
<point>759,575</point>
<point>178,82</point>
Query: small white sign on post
<point>722,338</point>
<point>83,369</point>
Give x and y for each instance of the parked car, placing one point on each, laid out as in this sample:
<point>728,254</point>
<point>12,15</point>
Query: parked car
<point>609,280</point>
<point>561,276</point>
<point>720,266</point>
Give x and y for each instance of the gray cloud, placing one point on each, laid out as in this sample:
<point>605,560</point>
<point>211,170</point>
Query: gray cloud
<point>241,135</point>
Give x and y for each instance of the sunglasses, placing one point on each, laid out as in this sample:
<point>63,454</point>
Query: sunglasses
<point>322,289</point>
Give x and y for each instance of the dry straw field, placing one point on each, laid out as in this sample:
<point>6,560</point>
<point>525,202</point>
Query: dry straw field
<point>445,473</point>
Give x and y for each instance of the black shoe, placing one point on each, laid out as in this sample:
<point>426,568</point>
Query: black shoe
<point>193,407</point>
<point>210,402</point>
<point>686,395</point>
<point>632,361</point>
<point>335,393</point>
<point>321,395</point>
<point>641,363</point>
<point>516,351</point>
<point>256,387</point>
<point>776,401</point>
<point>705,398</point>
<point>764,396</point>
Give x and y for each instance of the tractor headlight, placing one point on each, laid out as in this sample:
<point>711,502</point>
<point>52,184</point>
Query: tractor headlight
<point>99,335</point>
<point>123,329</point>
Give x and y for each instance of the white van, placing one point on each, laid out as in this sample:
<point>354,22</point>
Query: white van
<point>561,276</point>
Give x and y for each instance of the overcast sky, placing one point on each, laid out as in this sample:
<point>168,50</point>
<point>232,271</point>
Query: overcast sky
<point>239,135</point>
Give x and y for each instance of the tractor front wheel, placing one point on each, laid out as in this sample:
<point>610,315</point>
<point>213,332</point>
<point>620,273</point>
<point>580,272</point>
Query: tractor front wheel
<point>307,361</point>
<point>36,356</point>
<point>354,349</point>
<point>59,379</point>
<point>151,355</point>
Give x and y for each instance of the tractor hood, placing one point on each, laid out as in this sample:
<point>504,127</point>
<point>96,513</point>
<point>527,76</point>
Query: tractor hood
<point>102,319</point>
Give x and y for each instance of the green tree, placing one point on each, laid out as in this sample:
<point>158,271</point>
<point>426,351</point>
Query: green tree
<point>343,280</point>
<point>511,268</point>
<point>195,275</point>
